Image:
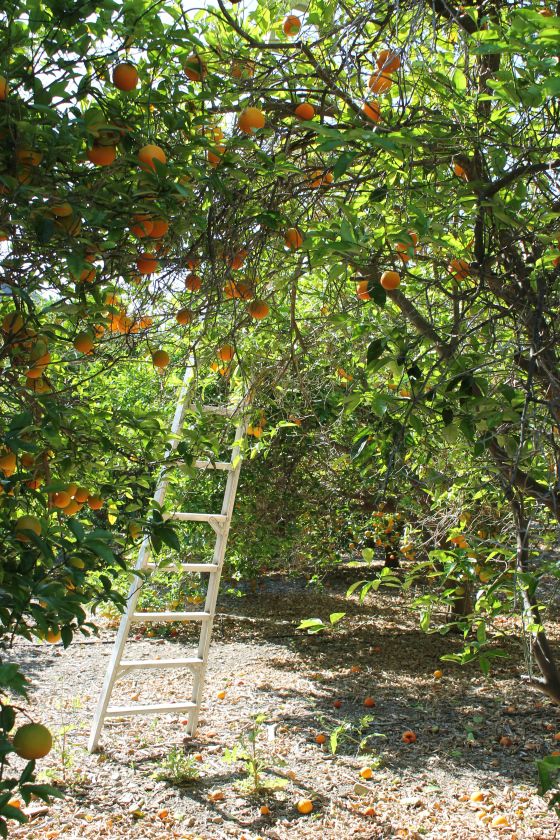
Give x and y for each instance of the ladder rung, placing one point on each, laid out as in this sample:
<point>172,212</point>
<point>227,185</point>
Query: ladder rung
<point>148,664</point>
<point>219,409</point>
<point>170,616</point>
<point>195,517</point>
<point>210,568</point>
<point>150,708</point>
<point>212,465</point>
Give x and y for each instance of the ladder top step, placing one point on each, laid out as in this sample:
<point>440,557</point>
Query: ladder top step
<point>195,517</point>
<point>209,568</point>
<point>207,464</point>
<point>137,664</point>
<point>151,709</point>
<point>139,617</point>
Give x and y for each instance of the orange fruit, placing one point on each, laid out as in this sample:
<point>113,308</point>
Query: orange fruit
<point>27,523</point>
<point>221,695</point>
<point>369,702</point>
<point>242,69</point>
<point>61,209</point>
<point>362,292</point>
<point>4,88</point>
<point>13,323</point>
<point>214,157</point>
<point>258,309</point>
<point>83,342</point>
<point>460,269</point>
<point>81,495</point>
<point>142,226</point>
<point>193,282</point>
<point>192,263</point>
<point>8,463</point>
<point>390,280</point>
<point>293,239</point>
<point>388,61</point>
<point>95,502</point>
<point>184,316</point>
<point>29,157</point>
<point>61,499</point>
<point>460,172</point>
<point>226,353</point>
<point>404,249</point>
<point>159,228</point>
<point>32,741</point>
<point>304,806</point>
<point>147,264</point>
<point>438,675</point>
<point>372,110</point>
<point>265,810</point>
<point>477,796</point>
<point>160,359</point>
<point>408,737</point>
<point>251,120</point>
<point>379,82</point>
<point>53,636</point>
<point>125,76</point>
<point>195,68</point>
<point>101,155</point>
<point>320,738</point>
<point>366,773</point>
<point>149,154</point>
<point>292,25</point>
<point>305,111</point>
<point>499,820</point>
<point>239,258</point>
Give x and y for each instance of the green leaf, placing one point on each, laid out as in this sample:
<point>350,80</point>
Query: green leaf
<point>459,80</point>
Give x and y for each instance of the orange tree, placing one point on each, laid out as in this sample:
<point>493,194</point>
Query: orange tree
<point>361,193</point>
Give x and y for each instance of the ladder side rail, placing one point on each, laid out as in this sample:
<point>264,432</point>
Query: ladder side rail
<point>144,554</point>
<point>214,580</point>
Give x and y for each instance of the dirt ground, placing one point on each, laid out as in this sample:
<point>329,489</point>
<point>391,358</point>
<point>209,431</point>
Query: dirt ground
<point>265,665</point>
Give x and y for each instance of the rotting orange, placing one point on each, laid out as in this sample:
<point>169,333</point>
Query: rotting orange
<point>408,737</point>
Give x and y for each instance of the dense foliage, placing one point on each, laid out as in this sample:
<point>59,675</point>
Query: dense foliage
<point>352,208</point>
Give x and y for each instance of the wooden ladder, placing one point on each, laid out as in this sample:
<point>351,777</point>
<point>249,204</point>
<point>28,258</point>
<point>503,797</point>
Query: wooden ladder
<point>220,523</point>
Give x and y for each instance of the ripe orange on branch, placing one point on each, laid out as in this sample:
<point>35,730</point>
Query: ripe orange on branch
<point>193,282</point>
<point>362,292</point>
<point>380,82</point>
<point>371,110</point>
<point>147,263</point>
<point>184,316</point>
<point>293,239</point>
<point>27,523</point>
<point>101,155</point>
<point>4,88</point>
<point>195,68</point>
<point>160,359</point>
<point>258,309</point>
<point>292,25</point>
<point>390,280</point>
<point>149,153</point>
<point>460,269</point>
<point>388,61</point>
<point>250,120</point>
<point>305,111</point>
<point>125,76</point>
<point>226,353</point>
